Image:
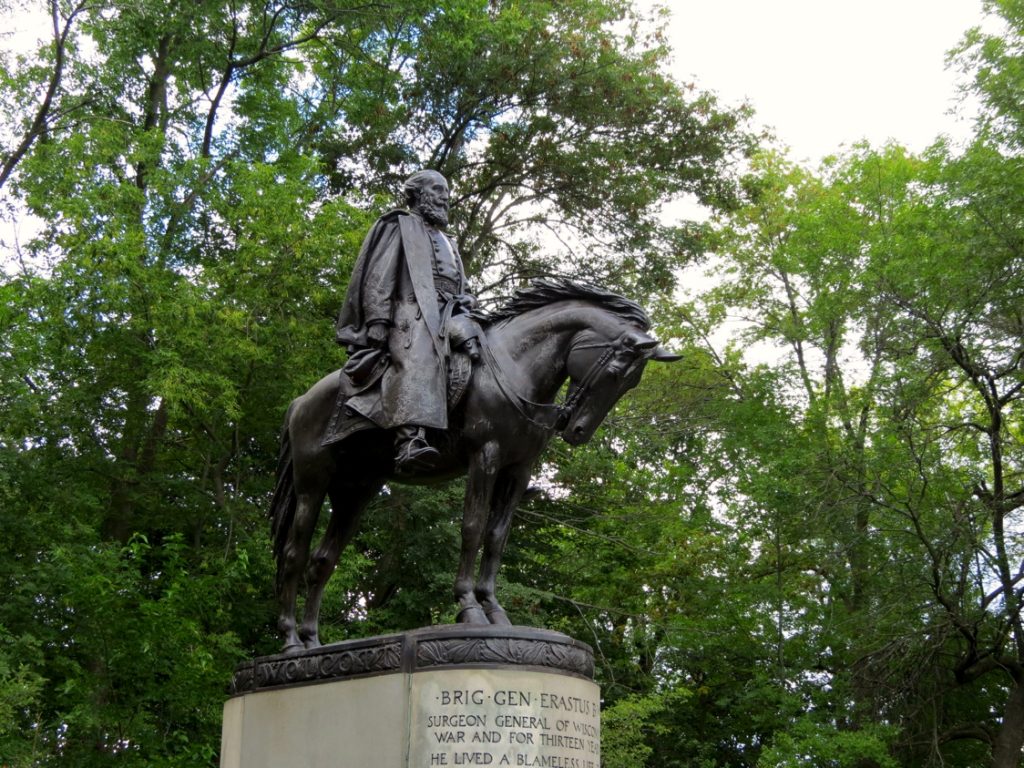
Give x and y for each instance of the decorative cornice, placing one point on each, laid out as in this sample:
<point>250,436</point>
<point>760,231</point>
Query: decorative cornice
<point>565,657</point>
<point>332,662</point>
<point>448,646</point>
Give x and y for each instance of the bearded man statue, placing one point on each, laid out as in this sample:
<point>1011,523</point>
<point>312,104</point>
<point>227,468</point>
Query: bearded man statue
<point>407,306</point>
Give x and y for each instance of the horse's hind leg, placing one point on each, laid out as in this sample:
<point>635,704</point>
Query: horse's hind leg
<point>293,561</point>
<point>347,505</point>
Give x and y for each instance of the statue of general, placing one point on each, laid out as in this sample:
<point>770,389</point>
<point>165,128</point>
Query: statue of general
<point>407,307</point>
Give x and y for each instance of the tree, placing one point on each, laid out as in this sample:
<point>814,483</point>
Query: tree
<point>202,175</point>
<point>894,283</point>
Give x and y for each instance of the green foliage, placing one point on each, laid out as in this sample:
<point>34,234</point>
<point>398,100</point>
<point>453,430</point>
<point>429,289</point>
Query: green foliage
<point>807,558</point>
<point>881,465</point>
<point>623,727</point>
<point>812,744</point>
<point>144,624</point>
<point>199,178</point>
<point>994,65</point>
<point>21,686</point>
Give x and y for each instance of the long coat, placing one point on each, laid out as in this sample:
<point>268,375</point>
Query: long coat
<point>393,281</point>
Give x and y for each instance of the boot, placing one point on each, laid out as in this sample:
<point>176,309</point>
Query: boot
<point>412,452</point>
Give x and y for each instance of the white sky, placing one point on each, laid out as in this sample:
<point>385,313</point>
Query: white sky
<point>823,73</point>
<point>828,73</point>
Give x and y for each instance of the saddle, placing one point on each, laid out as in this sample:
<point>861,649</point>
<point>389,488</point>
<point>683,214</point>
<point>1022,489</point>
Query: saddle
<point>363,372</point>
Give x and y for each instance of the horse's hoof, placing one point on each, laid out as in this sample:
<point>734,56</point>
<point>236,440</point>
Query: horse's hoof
<point>472,614</point>
<point>498,617</point>
<point>290,649</point>
<point>313,642</point>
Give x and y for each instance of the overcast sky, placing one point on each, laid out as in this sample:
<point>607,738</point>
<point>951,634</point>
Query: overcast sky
<point>822,73</point>
<point>828,73</point>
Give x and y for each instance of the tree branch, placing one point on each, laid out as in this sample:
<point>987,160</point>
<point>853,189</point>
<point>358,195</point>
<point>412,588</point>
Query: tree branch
<point>43,114</point>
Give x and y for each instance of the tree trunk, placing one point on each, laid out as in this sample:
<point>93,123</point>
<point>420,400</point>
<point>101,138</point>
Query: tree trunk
<point>1006,749</point>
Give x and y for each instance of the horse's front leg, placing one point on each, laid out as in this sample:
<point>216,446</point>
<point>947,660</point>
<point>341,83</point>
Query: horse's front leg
<point>483,469</point>
<point>508,490</point>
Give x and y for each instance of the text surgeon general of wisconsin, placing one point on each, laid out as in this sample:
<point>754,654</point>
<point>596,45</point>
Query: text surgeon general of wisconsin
<point>408,297</point>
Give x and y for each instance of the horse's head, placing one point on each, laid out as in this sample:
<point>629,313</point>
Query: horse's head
<point>601,370</point>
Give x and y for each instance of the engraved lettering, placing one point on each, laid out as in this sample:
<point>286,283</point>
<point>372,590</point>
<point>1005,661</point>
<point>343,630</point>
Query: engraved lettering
<point>450,737</point>
<point>457,698</point>
<point>460,720</point>
<point>525,722</point>
<point>512,698</point>
<point>476,724</point>
<point>473,758</point>
<point>558,740</point>
<point>585,728</point>
<point>486,737</point>
<point>565,703</point>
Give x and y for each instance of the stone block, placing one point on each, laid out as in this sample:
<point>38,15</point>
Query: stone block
<point>442,696</point>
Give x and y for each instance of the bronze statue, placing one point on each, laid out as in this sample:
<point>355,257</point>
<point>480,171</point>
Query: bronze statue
<point>490,420</point>
<point>406,304</point>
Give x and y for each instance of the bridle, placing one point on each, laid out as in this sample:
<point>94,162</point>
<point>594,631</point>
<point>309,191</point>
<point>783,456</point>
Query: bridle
<point>555,416</point>
<point>578,392</point>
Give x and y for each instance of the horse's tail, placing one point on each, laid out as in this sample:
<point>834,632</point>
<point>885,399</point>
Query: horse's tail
<point>282,507</point>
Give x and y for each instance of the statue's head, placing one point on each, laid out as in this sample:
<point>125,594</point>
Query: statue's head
<point>426,193</point>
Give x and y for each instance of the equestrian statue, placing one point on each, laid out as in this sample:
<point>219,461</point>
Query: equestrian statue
<point>433,389</point>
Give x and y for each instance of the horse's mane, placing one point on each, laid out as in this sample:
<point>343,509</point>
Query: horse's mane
<point>546,291</point>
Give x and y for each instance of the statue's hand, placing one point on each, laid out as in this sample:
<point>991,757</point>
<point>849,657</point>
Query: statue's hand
<point>377,335</point>
<point>467,301</point>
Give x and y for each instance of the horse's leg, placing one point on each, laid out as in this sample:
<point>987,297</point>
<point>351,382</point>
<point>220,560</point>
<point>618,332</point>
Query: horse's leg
<point>347,504</point>
<point>304,473</point>
<point>293,561</point>
<point>508,490</point>
<point>483,468</point>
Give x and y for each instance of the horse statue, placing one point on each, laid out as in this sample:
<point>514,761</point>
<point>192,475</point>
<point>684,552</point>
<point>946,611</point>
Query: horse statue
<point>550,332</point>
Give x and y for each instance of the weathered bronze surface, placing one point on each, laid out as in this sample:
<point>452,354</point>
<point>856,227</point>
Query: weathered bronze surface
<point>407,305</point>
<point>456,645</point>
<point>339,438</point>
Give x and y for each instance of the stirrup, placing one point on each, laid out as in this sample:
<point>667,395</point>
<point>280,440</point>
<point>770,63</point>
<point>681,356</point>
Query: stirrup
<point>415,453</point>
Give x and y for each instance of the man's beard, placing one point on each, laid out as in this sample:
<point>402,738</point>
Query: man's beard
<point>433,211</point>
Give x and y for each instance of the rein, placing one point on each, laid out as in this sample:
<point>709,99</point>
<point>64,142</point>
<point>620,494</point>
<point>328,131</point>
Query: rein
<point>549,416</point>
<point>576,394</point>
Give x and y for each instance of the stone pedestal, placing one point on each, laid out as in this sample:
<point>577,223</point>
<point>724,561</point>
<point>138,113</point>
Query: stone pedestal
<point>443,696</point>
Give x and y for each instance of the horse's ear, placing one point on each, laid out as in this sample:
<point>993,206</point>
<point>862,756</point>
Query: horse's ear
<point>643,342</point>
<point>664,356</point>
<point>639,341</point>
